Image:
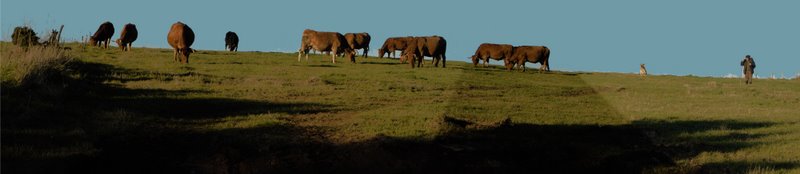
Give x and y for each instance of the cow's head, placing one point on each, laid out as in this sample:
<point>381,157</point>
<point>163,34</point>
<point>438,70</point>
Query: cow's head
<point>351,54</point>
<point>186,52</point>
<point>119,43</point>
<point>92,41</point>
<point>475,60</point>
<point>381,52</point>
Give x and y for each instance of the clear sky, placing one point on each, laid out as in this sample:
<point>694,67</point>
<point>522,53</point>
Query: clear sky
<point>679,37</point>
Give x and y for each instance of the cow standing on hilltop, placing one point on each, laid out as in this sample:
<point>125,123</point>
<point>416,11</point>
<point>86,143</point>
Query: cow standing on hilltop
<point>231,41</point>
<point>358,41</point>
<point>393,44</point>
<point>533,54</point>
<point>325,41</point>
<point>103,34</point>
<point>749,67</point>
<point>419,47</point>
<point>126,38</point>
<point>434,47</point>
<point>181,37</point>
<point>493,51</point>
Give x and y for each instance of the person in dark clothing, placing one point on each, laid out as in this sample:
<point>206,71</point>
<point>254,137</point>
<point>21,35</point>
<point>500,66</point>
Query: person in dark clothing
<point>749,68</point>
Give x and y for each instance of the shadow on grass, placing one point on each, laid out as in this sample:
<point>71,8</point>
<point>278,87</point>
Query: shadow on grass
<point>382,63</point>
<point>323,66</point>
<point>283,148</point>
<point>676,140</point>
<point>59,127</point>
<point>742,167</point>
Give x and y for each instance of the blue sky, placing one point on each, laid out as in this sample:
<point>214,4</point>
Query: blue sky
<point>672,37</point>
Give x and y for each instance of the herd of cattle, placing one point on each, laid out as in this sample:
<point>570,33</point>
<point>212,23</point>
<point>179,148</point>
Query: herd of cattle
<point>413,49</point>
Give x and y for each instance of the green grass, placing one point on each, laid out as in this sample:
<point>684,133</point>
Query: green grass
<point>253,112</point>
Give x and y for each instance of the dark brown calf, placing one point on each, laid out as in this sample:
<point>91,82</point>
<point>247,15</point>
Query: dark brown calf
<point>103,34</point>
<point>126,38</point>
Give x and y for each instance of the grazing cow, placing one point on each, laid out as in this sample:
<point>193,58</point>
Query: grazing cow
<point>642,71</point>
<point>533,54</point>
<point>494,51</point>
<point>749,66</point>
<point>231,41</point>
<point>325,41</point>
<point>103,34</point>
<point>393,44</point>
<point>126,38</point>
<point>358,41</point>
<point>413,51</point>
<point>434,47</point>
<point>181,37</point>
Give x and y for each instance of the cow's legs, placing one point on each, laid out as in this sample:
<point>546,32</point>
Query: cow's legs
<point>333,57</point>
<point>300,54</point>
<point>420,60</point>
<point>444,61</point>
<point>436,61</point>
<point>175,55</point>
<point>407,57</point>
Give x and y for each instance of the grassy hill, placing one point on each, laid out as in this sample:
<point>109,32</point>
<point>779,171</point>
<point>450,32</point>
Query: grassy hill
<point>108,111</point>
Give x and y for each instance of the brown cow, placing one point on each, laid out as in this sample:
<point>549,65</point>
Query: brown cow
<point>413,51</point>
<point>126,38</point>
<point>533,54</point>
<point>103,34</point>
<point>325,41</point>
<point>393,44</point>
<point>434,47</point>
<point>181,37</point>
<point>494,51</point>
<point>358,41</point>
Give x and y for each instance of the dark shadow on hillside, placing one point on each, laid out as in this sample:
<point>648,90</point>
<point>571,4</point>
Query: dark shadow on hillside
<point>743,167</point>
<point>61,121</point>
<point>323,66</point>
<point>678,146</point>
<point>212,107</point>
<point>99,73</point>
<point>507,148</point>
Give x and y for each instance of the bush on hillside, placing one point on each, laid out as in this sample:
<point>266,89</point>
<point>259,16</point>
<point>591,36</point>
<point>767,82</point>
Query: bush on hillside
<point>33,66</point>
<point>24,36</point>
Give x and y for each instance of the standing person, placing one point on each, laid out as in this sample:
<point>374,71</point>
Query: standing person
<point>749,68</point>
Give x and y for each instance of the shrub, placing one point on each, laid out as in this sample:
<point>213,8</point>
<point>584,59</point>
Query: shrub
<point>24,67</point>
<point>24,36</point>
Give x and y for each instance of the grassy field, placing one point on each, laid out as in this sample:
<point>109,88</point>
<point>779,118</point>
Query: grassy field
<point>251,112</point>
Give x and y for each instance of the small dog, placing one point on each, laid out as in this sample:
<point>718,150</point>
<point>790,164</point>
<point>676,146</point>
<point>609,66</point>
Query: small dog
<point>642,71</point>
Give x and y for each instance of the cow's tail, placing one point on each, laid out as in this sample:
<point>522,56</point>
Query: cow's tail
<point>546,56</point>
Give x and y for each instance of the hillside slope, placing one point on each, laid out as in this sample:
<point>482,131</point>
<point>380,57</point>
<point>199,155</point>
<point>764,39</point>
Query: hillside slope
<point>253,112</point>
